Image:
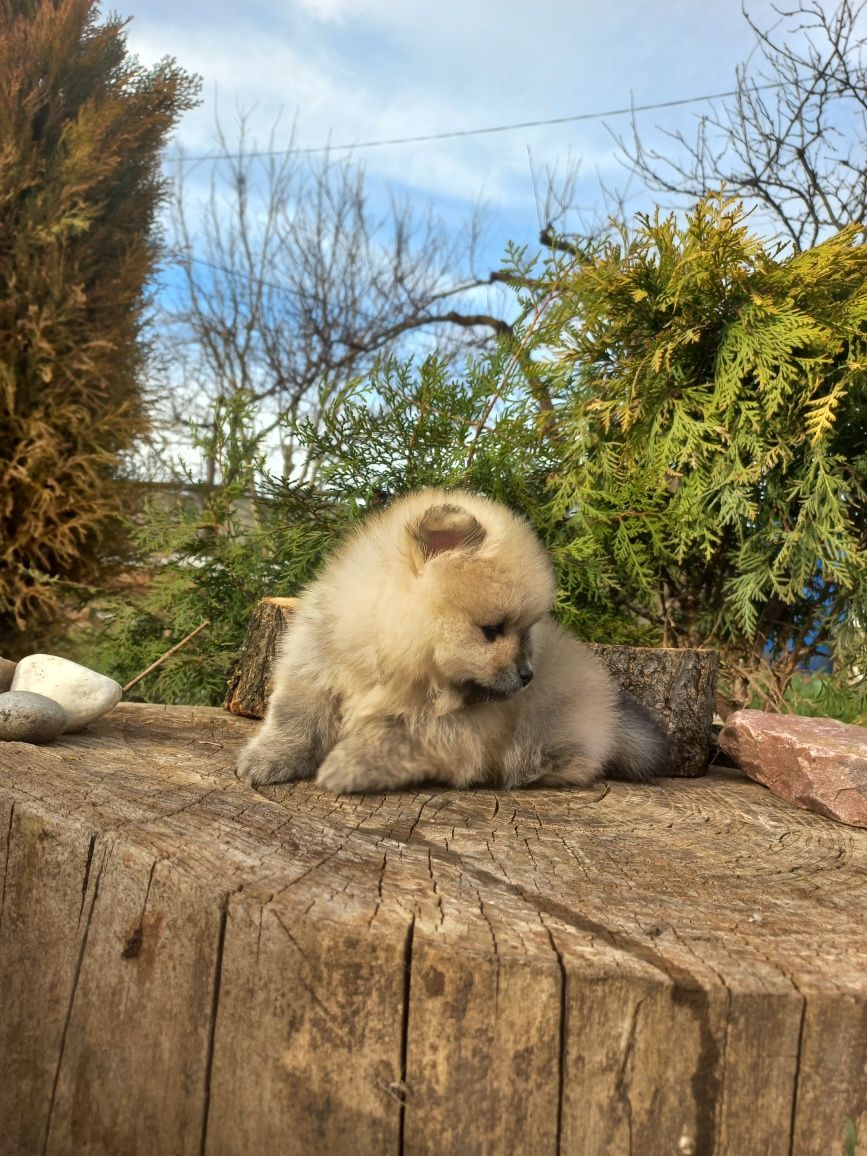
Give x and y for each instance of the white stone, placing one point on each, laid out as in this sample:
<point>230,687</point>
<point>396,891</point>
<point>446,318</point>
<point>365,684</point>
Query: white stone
<point>30,718</point>
<point>83,694</point>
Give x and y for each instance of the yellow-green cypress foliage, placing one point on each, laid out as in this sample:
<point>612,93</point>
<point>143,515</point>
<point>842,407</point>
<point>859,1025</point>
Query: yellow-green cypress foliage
<point>714,430</point>
<point>81,129</point>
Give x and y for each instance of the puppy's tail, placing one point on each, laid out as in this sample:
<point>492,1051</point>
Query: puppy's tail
<point>642,751</point>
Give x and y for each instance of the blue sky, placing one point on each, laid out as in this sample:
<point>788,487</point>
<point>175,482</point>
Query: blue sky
<point>356,70</point>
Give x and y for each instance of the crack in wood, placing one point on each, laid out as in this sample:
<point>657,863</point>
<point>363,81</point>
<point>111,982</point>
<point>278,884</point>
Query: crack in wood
<point>621,1083</point>
<point>6,861</point>
<point>212,1024</point>
<point>86,875</point>
<point>797,1076</point>
<point>75,978</point>
<point>705,1079</point>
<point>404,1034</point>
<point>561,1064</point>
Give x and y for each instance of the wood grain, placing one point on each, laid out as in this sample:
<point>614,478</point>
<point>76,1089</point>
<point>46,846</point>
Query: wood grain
<point>189,966</point>
<point>250,679</point>
<point>677,686</point>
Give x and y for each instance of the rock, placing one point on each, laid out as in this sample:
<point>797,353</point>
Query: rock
<point>7,670</point>
<point>30,718</point>
<point>817,763</point>
<point>83,694</point>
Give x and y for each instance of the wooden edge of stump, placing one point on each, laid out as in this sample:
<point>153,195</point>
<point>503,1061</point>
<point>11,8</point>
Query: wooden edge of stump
<point>249,682</point>
<point>189,966</point>
<point>676,686</point>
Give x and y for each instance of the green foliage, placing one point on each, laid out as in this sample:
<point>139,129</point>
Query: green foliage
<point>409,427</point>
<point>713,418</point>
<point>81,129</point>
<point>208,553</point>
<point>850,1144</point>
<point>819,695</point>
<point>681,415</point>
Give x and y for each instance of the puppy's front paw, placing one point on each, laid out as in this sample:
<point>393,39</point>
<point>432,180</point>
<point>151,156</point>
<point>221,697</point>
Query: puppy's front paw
<point>341,773</point>
<point>258,766</point>
<point>374,758</point>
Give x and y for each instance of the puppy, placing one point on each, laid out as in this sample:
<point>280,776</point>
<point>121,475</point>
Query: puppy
<point>425,651</point>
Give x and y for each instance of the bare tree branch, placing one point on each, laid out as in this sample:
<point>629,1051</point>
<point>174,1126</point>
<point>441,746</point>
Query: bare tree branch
<point>291,284</point>
<point>794,138</point>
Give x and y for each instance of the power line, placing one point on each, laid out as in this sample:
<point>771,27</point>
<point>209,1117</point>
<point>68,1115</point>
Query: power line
<point>181,257</point>
<point>403,140</point>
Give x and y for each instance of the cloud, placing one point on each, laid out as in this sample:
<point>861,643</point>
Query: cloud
<point>361,70</point>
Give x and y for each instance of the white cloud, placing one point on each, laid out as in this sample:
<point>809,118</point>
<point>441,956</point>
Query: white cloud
<point>359,70</point>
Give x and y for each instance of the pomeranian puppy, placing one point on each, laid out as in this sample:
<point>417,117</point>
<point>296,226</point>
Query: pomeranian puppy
<point>425,651</point>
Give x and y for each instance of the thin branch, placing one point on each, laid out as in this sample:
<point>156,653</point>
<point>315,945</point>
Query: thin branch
<point>168,654</point>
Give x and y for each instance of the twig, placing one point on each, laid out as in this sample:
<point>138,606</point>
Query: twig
<point>167,654</point>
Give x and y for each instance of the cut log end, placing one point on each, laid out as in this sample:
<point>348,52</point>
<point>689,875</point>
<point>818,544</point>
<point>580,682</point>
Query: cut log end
<point>249,682</point>
<point>677,687</point>
<point>189,966</point>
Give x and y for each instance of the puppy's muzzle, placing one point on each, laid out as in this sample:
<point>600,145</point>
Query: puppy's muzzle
<point>500,687</point>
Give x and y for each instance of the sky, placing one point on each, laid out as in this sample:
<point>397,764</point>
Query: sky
<point>346,72</point>
<point>349,71</point>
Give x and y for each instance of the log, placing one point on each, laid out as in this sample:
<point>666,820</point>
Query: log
<point>190,967</point>
<point>677,686</point>
<point>249,683</point>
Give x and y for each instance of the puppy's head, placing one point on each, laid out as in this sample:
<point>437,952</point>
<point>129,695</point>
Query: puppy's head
<point>482,580</point>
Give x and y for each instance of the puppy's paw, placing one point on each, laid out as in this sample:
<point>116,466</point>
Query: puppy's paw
<point>375,758</point>
<point>341,773</point>
<point>258,766</point>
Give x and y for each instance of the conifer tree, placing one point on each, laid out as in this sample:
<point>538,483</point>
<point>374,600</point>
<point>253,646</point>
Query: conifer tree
<point>714,432</point>
<point>81,129</point>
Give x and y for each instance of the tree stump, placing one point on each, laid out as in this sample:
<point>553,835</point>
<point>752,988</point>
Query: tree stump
<point>190,967</point>
<point>677,686</point>
<point>249,684</point>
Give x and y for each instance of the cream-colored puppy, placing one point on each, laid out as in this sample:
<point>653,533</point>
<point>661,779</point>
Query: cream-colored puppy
<point>425,651</point>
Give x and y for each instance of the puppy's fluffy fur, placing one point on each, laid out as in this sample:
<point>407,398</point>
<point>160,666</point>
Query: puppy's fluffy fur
<point>425,651</point>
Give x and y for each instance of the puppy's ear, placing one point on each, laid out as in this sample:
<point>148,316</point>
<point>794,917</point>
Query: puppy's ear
<point>442,528</point>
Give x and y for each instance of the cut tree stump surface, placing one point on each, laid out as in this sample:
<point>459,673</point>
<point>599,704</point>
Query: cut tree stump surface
<point>189,966</point>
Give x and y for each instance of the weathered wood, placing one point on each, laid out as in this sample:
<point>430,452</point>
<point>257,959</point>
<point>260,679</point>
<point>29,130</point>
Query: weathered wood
<point>189,966</point>
<point>249,683</point>
<point>677,686</point>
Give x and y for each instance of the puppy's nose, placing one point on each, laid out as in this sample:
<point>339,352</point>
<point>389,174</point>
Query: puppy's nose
<point>525,673</point>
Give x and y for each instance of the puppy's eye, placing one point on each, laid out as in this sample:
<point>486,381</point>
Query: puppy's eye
<point>494,631</point>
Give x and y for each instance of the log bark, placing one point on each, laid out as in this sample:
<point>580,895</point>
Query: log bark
<point>193,968</point>
<point>249,683</point>
<point>677,687</point>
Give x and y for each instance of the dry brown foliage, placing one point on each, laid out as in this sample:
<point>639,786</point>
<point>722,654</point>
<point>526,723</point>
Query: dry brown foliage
<point>81,129</point>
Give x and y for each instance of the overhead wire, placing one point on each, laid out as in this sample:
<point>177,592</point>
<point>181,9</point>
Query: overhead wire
<point>467,132</point>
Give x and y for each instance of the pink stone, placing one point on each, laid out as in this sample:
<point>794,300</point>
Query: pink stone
<point>817,763</point>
